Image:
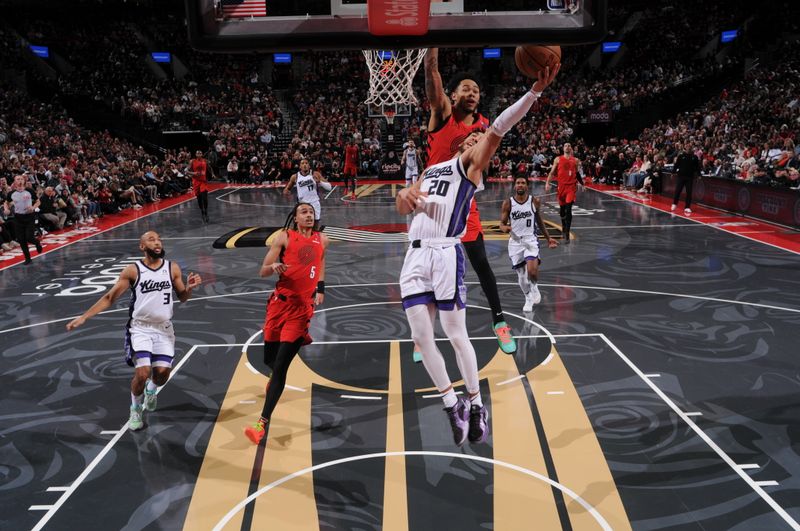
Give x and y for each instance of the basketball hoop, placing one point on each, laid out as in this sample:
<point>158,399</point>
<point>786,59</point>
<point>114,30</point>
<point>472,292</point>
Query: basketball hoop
<point>391,74</point>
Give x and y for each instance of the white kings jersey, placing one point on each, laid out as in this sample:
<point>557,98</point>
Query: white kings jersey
<point>412,165</point>
<point>443,213</point>
<point>523,218</point>
<point>306,188</point>
<point>151,300</point>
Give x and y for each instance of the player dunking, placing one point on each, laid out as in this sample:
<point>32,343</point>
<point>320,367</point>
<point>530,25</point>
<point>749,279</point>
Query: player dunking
<point>433,268</point>
<point>199,170</point>
<point>350,167</point>
<point>306,183</point>
<point>149,337</point>
<point>567,170</point>
<point>452,120</point>
<point>519,216</point>
<point>297,255</point>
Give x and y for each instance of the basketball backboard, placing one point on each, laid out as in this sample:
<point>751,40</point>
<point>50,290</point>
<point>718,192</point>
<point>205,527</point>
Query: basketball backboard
<point>264,25</point>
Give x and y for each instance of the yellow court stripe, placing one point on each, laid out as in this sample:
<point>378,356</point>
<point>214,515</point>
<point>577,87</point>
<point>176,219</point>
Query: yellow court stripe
<point>224,476</point>
<point>578,458</point>
<point>291,506</point>
<point>395,499</point>
<point>231,243</point>
<point>516,497</point>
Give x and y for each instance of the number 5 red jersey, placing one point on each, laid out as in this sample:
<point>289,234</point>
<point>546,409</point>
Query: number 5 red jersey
<point>303,256</point>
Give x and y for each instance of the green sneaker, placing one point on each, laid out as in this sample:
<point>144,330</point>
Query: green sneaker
<point>504,337</point>
<point>135,422</point>
<point>150,399</point>
<point>417,356</point>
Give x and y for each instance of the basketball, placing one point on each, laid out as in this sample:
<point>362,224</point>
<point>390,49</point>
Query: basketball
<point>532,58</point>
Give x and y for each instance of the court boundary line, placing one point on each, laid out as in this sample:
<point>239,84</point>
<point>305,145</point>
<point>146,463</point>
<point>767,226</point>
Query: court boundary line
<point>51,511</point>
<point>693,218</point>
<point>93,234</point>
<point>703,436</point>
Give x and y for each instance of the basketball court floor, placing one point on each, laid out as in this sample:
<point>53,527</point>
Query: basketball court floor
<point>655,386</point>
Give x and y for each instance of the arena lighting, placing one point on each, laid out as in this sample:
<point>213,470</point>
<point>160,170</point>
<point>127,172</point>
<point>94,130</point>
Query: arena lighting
<point>282,58</point>
<point>728,36</point>
<point>41,51</point>
<point>161,57</point>
<point>492,53</point>
<point>611,46</point>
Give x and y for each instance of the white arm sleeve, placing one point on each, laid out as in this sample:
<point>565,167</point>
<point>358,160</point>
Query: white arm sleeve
<point>513,114</point>
<point>325,186</point>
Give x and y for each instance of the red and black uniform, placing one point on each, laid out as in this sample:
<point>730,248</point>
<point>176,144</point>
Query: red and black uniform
<point>443,145</point>
<point>567,176</point>
<point>198,168</point>
<point>291,305</point>
<point>351,160</point>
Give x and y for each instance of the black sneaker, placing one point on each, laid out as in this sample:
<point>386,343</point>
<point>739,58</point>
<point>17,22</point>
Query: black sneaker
<point>459,420</point>
<point>478,424</point>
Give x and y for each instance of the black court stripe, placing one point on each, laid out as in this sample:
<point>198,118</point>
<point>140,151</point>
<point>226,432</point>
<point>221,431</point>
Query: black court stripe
<point>255,479</point>
<point>558,496</point>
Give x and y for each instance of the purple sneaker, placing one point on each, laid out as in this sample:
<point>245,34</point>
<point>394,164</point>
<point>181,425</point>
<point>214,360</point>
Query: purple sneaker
<point>478,424</point>
<point>459,420</point>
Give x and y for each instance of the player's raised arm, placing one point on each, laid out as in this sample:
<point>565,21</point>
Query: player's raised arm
<point>434,91</point>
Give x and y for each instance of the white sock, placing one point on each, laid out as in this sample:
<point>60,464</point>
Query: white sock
<point>151,386</point>
<point>454,323</point>
<point>533,284</point>
<point>522,279</point>
<point>419,319</point>
<point>449,398</point>
<point>476,400</point>
<point>137,400</point>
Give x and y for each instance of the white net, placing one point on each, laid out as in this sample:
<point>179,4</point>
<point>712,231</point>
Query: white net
<point>391,74</point>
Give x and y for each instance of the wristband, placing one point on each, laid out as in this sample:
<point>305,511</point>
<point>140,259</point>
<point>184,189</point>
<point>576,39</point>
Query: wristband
<point>321,286</point>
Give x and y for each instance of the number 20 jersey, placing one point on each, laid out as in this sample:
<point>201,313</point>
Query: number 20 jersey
<point>443,213</point>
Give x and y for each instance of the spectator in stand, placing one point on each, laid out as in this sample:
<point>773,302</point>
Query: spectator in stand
<point>51,210</point>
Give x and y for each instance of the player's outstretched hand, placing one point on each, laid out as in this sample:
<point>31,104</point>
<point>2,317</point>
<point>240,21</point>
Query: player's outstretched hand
<point>193,280</point>
<point>75,323</point>
<point>552,243</point>
<point>545,77</point>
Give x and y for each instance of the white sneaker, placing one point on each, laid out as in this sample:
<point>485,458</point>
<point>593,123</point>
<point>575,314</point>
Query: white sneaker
<point>528,306</point>
<point>687,211</point>
<point>135,421</point>
<point>673,207</point>
<point>536,296</point>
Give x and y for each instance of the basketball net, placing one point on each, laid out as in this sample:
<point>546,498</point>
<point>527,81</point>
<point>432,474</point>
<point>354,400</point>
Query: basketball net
<point>391,74</point>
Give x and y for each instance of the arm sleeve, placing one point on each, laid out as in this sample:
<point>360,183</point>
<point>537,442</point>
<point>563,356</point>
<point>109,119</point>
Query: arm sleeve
<point>325,186</point>
<point>516,112</point>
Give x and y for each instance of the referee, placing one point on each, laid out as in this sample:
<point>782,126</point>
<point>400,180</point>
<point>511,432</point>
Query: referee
<point>24,216</point>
